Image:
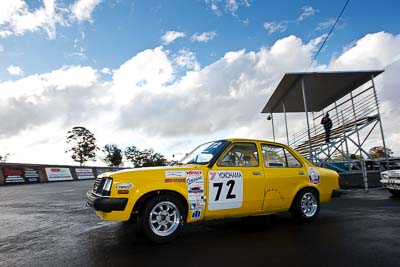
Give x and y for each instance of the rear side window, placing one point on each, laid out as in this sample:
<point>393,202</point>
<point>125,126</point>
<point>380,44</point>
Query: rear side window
<point>240,155</point>
<point>278,157</point>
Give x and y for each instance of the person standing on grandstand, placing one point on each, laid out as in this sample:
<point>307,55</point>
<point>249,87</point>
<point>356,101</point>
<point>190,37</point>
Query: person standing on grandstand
<point>327,123</point>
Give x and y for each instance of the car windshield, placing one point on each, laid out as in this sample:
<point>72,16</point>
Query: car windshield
<point>204,153</point>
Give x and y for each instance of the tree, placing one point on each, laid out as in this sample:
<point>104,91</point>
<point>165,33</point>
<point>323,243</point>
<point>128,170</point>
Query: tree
<point>378,152</point>
<point>83,144</point>
<point>3,158</point>
<point>151,158</point>
<point>113,155</point>
<point>133,155</point>
<point>145,158</point>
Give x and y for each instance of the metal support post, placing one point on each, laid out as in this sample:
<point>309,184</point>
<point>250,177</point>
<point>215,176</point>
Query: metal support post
<point>303,89</point>
<point>337,116</point>
<point>363,170</point>
<point>345,140</point>
<point>273,127</point>
<point>315,128</point>
<point>380,122</point>
<point>284,111</point>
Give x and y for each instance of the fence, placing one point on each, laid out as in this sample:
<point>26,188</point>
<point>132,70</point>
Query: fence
<point>16,173</point>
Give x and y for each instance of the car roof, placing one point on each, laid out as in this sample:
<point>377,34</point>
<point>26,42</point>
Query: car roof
<point>252,140</point>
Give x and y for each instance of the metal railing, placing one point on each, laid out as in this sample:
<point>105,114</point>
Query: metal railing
<point>358,110</point>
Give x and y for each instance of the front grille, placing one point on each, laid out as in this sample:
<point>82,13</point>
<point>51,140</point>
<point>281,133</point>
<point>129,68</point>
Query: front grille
<point>97,184</point>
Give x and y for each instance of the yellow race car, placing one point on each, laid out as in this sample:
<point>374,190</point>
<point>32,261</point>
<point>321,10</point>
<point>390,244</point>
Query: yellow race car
<point>219,179</point>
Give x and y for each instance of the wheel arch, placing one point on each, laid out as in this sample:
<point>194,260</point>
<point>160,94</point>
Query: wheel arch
<point>314,188</point>
<point>151,194</point>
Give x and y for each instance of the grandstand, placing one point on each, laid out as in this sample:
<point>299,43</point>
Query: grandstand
<point>351,99</point>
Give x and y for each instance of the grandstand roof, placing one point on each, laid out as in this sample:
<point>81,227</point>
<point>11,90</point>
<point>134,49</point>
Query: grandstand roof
<point>322,89</point>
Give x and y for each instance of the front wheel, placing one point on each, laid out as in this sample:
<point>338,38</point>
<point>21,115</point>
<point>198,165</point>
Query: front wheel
<point>306,204</point>
<point>162,218</point>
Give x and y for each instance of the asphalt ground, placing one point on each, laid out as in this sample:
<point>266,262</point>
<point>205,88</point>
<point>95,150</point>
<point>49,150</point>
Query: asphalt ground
<point>49,225</point>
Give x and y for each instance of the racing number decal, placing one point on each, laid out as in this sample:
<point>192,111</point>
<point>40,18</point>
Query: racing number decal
<point>231,184</point>
<point>225,190</point>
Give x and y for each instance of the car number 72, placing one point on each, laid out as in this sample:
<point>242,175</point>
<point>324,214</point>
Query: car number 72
<point>229,195</point>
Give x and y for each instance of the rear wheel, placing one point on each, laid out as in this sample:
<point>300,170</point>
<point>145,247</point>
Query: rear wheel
<point>306,204</point>
<point>395,193</point>
<point>162,218</point>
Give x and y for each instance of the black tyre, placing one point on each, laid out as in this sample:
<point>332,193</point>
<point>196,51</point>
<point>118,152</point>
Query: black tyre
<point>162,218</point>
<point>305,206</point>
<point>395,193</point>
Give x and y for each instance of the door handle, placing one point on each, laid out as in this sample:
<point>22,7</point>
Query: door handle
<point>301,173</point>
<point>256,173</point>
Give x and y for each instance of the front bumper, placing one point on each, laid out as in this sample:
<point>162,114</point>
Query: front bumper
<point>105,204</point>
<point>391,183</point>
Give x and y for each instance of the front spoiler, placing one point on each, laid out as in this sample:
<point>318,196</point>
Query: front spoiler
<point>105,204</point>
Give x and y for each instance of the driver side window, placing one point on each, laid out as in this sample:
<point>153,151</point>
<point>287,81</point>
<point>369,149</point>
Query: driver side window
<point>240,155</point>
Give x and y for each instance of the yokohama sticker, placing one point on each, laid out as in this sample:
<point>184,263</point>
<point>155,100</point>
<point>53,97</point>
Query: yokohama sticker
<point>225,190</point>
<point>313,175</point>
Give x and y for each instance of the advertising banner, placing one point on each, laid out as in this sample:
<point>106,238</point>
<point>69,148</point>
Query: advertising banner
<point>20,175</point>
<point>58,174</point>
<point>13,175</point>
<point>84,173</point>
<point>31,175</point>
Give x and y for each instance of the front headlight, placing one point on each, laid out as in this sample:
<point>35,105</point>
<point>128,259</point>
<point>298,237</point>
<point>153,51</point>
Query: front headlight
<point>107,187</point>
<point>384,175</point>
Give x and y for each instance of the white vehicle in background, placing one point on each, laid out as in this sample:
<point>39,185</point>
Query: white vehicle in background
<point>391,180</point>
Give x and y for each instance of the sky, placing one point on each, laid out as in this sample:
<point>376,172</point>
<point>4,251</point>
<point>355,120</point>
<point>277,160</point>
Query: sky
<point>172,74</point>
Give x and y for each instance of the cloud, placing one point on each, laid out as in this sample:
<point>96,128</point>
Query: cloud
<point>273,27</point>
<point>15,70</point>
<point>82,10</point>
<point>214,7</point>
<point>16,18</point>
<point>229,6</point>
<point>233,5</point>
<point>375,50</point>
<point>187,60</point>
<point>145,102</point>
<point>106,71</point>
<point>171,36</point>
<point>203,37</point>
<point>325,24</point>
<point>308,11</point>
<point>149,70</point>
<point>228,93</point>
<point>61,95</point>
